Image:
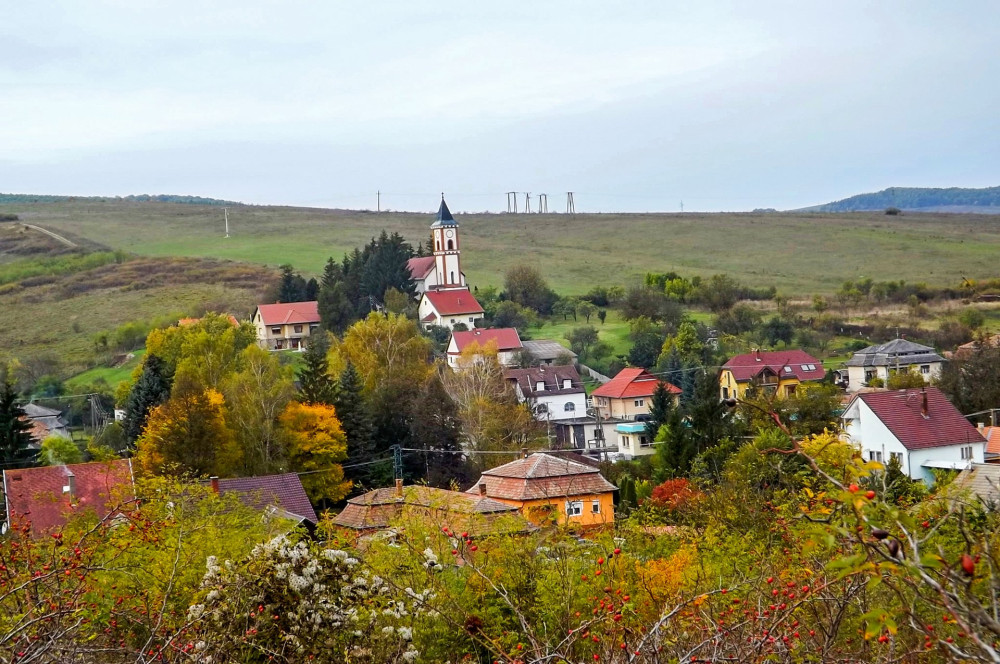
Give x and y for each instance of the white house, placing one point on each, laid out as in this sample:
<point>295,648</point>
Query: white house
<point>918,427</point>
<point>504,339</point>
<point>882,361</point>
<point>591,435</point>
<point>423,269</point>
<point>553,392</point>
<point>448,308</point>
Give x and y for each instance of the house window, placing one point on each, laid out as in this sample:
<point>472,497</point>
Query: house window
<point>569,407</point>
<point>540,386</point>
<point>725,393</point>
<point>598,434</point>
<point>644,442</point>
<point>567,383</point>
<point>574,507</point>
<point>639,403</point>
<point>925,368</point>
<point>898,456</point>
<point>298,329</point>
<point>595,507</point>
<point>789,390</point>
<point>788,369</point>
<point>472,319</point>
<point>313,327</point>
<point>869,375</point>
<point>542,408</point>
<point>967,452</point>
<point>875,456</point>
<point>453,321</point>
<point>275,330</point>
<point>623,441</point>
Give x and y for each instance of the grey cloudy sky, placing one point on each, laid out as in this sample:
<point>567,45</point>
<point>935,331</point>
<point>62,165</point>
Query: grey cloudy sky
<point>634,106</point>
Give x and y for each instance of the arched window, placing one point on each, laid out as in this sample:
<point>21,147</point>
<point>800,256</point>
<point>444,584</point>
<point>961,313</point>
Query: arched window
<point>570,406</point>
<point>437,245</point>
<point>451,245</point>
<point>452,278</point>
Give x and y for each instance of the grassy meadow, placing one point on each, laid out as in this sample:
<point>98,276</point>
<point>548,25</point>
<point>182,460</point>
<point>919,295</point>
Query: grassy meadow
<point>800,253</point>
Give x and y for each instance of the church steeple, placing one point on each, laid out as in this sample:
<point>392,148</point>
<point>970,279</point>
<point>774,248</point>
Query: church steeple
<point>447,263</point>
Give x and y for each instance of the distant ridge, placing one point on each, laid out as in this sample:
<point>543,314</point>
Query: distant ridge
<point>952,199</point>
<point>139,198</point>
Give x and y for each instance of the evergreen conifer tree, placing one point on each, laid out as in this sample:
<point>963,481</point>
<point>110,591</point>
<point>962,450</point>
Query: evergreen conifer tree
<point>15,431</point>
<point>315,384</point>
<point>152,389</point>
<point>352,411</point>
<point>661,405</point>
<point>437,428</point>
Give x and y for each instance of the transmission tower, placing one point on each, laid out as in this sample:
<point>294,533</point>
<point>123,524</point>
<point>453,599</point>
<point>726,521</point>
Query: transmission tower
<point>512,201</point>
<point>527,201</point>
<point>570,205</point>
<point>543,203</point>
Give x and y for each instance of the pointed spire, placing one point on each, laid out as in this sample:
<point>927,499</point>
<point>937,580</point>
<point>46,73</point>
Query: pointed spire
<point>444,217</point>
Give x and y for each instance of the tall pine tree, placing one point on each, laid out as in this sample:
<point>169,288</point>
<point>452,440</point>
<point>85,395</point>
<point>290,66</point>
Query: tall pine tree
<point>152,389</point>
<point>15,431</point>
<point>357,423</point>
<point>661,406</point>
<point>437,429</point>
<point>315,384</point>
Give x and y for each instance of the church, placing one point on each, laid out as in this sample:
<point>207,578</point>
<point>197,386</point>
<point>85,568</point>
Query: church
<point>445,298</point>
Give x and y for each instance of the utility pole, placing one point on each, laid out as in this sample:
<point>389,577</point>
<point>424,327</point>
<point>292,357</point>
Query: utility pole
<point>378,201</point>
<point>397,462</point>
<point>226,212</point>
<point>570,205</point>
<point>682,206</point>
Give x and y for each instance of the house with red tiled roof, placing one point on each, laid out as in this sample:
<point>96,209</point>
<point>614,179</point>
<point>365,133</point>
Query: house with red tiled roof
<point>505,340</point>
<point>285,325</point>
<point>474,513</point>
<point>448,308</point>
<point>777,372</point>
<point>992,436</point>
<point>281,495</point>
<point>627,395</point>
<point>548,488</point>
<point>425,275</point>
<point>45,497</point>
<point>918,427</point>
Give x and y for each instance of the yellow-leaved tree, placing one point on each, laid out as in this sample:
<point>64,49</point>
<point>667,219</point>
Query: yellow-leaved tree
<point>189,433</point>
<point>315,441</point>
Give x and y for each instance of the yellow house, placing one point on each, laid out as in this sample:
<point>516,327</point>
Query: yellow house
<point>774,372</point>
<point>546,487</point>
<point>285,326</point>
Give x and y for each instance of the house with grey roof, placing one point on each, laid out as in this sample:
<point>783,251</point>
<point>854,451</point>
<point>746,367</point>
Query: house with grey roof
<point>884,360</point>
<point>547,351</point>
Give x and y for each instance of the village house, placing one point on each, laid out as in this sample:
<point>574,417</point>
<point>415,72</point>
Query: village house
<point>589,434</point>
<point>46,496</point>
<point>503,340</point>
<point>285,326</point>
<point>884,360</point>
<point>627,396</point>
<point>777,372</point>
<point>982,480</point>
<point>553,392</point>
<point>276,496</point>
<point>446,300</point>
<point>474,513</point>
<point>547,488</point>
<point>547,352</point>
<point>918,427</point>
<point>634,440</point>
<point>46,422</point>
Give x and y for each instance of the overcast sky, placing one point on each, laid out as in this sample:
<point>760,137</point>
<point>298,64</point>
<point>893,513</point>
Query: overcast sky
<point>633,106</point>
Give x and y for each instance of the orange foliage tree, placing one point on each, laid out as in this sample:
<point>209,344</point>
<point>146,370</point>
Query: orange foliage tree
<point>315,441</point>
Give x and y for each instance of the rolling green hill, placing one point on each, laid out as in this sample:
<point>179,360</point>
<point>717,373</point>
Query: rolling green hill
<point>919,198</point>
<point>800,253</point>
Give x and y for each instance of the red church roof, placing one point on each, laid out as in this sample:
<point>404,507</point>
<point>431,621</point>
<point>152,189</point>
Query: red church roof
<point>453,301</point>
<point>632,382</point>
<point>506,339</point>
<point>47,495</point>
<point>902,413</point>
<point>289,313</point>
<point>420,266</point>
<point>799,364</point>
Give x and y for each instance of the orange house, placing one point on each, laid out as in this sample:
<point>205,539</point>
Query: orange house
<point>545,487</point>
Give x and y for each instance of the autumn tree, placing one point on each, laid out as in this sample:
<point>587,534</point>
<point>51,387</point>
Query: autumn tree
<point>188,433</point>
<point>256,395</point>
<point>15,430</point>
<point>150,390</point>
<point>202,354</point>
<point>525,285</point>
<point>316,445</point>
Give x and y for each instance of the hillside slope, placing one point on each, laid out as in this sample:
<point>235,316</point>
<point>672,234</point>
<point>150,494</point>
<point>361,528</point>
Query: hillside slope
<point>952,199</point>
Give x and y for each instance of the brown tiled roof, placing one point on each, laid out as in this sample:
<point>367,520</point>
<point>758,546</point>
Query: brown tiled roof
<point>36,494</point>
<point>551,376</point>
<point>282,491</point>
<point>477,514</point>
<point>540,476</point>
<point>289,313</point>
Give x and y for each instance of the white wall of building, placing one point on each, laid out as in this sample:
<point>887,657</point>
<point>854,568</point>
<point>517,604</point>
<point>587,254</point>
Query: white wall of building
<point>555,406</point>
<point>857,376</point>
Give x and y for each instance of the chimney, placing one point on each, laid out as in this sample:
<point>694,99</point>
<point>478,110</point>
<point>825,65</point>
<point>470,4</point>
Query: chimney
<point>399,488</point>
<point>756,355</point>
<point>70,486</point>
<point>482,489</point>
<point>980,426</point>
<point>923,403</point>
<point>524,452</point>
<point>214,479</point>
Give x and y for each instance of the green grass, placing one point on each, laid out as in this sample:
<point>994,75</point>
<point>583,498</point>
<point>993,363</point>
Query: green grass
<point>109,375</point>
<point>800,253</point>
<point>613,332</point>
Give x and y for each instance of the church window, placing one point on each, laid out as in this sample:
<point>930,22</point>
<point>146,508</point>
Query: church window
<point>451,245</point>
<point>453,277</point>
<point>437,245</point>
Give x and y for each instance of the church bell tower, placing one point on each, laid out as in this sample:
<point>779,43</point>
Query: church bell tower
<point>447,264</point>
